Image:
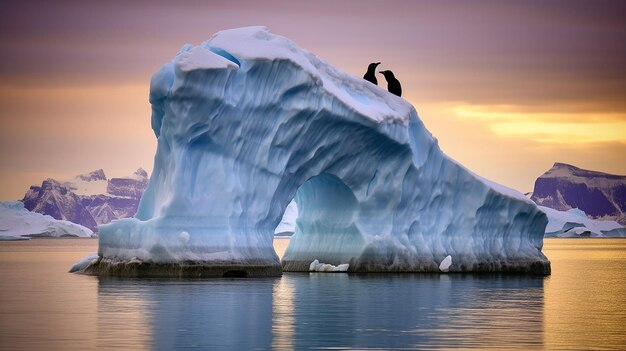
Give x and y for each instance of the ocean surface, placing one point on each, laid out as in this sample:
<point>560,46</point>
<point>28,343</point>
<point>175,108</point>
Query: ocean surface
<point>582,305</point>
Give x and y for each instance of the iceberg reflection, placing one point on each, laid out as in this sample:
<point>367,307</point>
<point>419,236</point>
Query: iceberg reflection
<point>324,310</point>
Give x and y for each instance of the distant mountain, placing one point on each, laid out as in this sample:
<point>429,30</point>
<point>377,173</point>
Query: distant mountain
<point>88,199</point>
<point>56,200</point>
<point>18,223</point>
<point>599,195</point>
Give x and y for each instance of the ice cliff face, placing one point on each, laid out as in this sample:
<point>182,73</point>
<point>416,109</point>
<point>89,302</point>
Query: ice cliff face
<point>247,121</point>
<point>88,199</point>
<point>599,195</point>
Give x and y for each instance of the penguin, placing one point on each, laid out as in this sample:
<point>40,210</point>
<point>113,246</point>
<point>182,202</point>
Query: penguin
<point>371,73</point>
<point>393,85</point>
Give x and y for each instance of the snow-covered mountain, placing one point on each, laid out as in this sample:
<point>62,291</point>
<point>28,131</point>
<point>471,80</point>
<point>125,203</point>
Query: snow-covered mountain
<point>88,199</point>
<point>599,195</point>
<point>16,223</point>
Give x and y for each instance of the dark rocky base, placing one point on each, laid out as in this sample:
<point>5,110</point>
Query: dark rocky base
<point>505,267</point>
<point>136,269</point>
<point>191,269</point>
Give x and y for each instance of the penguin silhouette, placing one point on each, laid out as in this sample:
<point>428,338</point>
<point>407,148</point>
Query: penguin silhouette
<point>370,75</point>
<point>393,85</point>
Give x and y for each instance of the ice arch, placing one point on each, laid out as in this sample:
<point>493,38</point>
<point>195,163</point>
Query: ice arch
<point>247,118</point>
<point>326,227</point>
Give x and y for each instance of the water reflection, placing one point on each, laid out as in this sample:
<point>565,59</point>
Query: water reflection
<point>41,306</point>
<point>579,307</point>
<point>419,311</point>
<point>212,314</point>
<point>299,311</point>
<point>283,318</point>
<point>586,294</point>
<point>122,315</point>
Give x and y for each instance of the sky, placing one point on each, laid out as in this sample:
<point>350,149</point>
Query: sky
<point>507,87</point>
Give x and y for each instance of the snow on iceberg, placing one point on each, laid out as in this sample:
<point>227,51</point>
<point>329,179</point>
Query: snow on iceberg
<point>16,223</point>
<point>247,121</point>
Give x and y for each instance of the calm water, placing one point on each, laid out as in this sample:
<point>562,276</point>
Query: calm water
<point>581,306</point>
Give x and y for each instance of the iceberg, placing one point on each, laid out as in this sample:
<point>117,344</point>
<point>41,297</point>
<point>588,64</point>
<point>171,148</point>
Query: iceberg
<point>18,223</point>
<point>574,223</point>
<point>247,121</point>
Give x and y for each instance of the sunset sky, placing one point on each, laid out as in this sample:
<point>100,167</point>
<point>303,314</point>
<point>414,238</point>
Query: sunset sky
<point>508,87</point>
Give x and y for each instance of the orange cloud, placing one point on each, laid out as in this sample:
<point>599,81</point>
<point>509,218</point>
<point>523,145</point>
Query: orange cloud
<point>547,127</point>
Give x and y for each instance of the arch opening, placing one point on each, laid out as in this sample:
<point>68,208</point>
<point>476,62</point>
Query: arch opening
<point>325,226</point>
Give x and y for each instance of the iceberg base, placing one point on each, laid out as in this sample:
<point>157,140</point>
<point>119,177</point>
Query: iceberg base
<point>107,267</point>
<point>507,267</point>
<point>533,267</point>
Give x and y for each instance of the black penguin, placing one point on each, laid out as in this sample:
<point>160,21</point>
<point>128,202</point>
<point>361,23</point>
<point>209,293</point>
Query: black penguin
<point>393,85</point>
<point>371,73</point>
